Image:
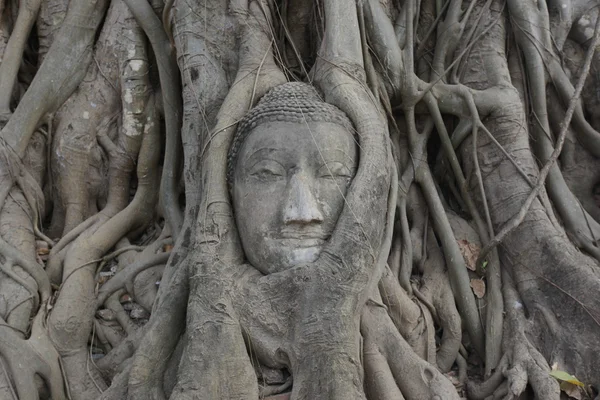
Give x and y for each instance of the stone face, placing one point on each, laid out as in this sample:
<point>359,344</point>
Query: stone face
<point>290,180</point>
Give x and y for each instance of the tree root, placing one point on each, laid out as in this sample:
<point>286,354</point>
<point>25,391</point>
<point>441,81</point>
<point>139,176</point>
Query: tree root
<point>533,36</point>
<point>72,340</point>
<point>14,257</point>
<point>522,364</point>
<point>413,376</point>
<point>36,355</point>
<point>257,73</point>
<point>145,380</point>
<point>171,89</point>
<point>405,313</point>
<point>71,50</point>
<point>11,59</point>
<point>127,275</point>
<point>436,288</point>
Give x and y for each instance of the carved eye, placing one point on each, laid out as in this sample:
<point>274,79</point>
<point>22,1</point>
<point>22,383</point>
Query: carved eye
<point>334,170</point>
<point>267,170</point>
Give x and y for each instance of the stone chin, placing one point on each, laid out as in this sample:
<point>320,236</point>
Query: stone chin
<point>304,255</point>
<point>292,252</point>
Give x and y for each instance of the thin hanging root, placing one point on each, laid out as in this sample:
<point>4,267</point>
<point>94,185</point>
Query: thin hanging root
<point>421,48</point>
<point>459,66</point>
<point>444,92</point>
<point>450,30</point>
<point>425,88</point>
<point>386,245</point>
<point>372,78</point>
<point>457,270</point>
<point>406,257</point>
<point>166,20</point>
<point>456,168</point>
<point>495,311</point>
<point>589,137</point>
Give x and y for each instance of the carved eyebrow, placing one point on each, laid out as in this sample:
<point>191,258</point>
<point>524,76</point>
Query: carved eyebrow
<point>345,157</point>
<point>260,153</point>
<point>268,150</point>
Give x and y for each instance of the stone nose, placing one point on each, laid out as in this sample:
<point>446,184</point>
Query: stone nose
<point>301,206</point>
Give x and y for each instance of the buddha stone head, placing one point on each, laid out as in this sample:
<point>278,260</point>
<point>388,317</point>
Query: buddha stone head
<point>290,165</point>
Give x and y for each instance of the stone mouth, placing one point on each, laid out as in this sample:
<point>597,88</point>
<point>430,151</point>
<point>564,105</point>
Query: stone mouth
<point>308,234</point>
<point>302,242</point>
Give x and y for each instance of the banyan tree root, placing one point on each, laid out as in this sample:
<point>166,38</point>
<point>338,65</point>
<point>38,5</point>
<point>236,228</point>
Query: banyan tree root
<point>80,264</point>
<point>13,52</point>
<point>256,75</point>
<point>414,67</point>
<point>392,369</point>
<point>533,36</point>
<point>522,364</point>
<point>171,101</point>
<point>36,355</point>
<point>111,97</point>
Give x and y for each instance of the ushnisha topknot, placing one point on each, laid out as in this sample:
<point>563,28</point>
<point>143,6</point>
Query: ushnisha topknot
<point>289,102</point>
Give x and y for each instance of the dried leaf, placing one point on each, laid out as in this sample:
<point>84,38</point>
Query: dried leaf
<point>105,314</point>
<point>478,286</point>
<point>167,248</point>
<point>470,252</point>
<point>566,377</point>
<point>571,390</point>
<point>125,298</point>
<point>42,247</point>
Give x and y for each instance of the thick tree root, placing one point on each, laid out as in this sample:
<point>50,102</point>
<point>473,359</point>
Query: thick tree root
<point>414,377</point>
<point>522,363</point>
<point>36,355</point>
